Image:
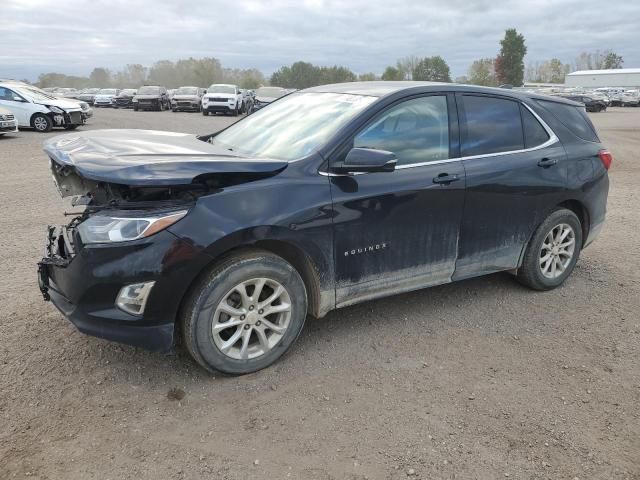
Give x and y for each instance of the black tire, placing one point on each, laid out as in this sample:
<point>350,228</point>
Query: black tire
<point>71,127</point>
<point>42,123</point>
<point>135,109</point>
<point>530,273</point>
<point>205,113</point>
<point>198,315</point>
<point>235,112</point>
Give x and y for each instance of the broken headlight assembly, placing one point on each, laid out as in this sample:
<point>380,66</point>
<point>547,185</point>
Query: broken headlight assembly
<point>105,228</point>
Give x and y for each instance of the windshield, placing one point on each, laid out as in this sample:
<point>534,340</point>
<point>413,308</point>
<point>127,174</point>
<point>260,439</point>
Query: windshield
<point>108,91</point>
<point>149,91</point>
<point>293,127</point>
<point>221,89</point>
<point>271,92</point>
<point>187,91</point>
<point>128,91</point>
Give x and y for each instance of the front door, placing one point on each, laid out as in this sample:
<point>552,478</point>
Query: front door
<point>17,105</point>
<point>398,231</point>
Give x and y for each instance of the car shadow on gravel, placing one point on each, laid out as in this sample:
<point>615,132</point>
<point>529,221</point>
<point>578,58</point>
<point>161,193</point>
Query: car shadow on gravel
<point>434,309</point>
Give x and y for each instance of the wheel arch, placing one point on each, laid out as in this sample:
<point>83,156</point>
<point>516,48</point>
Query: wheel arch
<point>581,212</point>
<point>577,207</point>
<point>318,305</point>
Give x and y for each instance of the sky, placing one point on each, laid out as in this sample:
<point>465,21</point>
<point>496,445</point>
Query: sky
<point>74,36</point>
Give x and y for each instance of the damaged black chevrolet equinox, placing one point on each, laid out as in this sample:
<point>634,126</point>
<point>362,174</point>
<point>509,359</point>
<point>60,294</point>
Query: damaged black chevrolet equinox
<point>325,198</point>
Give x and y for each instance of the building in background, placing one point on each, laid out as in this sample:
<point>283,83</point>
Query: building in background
<point>620,77</point>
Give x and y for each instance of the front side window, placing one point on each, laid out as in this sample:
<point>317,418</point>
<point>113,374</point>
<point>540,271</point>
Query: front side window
<point>8,95</point>
<point>493,125</point>
<point>416,131</point>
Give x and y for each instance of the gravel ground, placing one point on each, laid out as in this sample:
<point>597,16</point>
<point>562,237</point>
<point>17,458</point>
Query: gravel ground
<point>478,379</point>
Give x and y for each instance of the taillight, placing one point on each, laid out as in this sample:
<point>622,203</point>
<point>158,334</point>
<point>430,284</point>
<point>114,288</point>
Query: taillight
<point>606,158</point>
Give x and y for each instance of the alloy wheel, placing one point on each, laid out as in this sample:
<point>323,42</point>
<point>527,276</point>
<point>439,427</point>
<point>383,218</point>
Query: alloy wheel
<point>557,251</point>
<point>251,319</point>
<point>40,124</point>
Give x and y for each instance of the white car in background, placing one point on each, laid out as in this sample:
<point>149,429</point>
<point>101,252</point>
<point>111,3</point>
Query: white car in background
<point>8,122</point>
<point>34,108</point>
<point>105,96</point>
<point>223,98</point>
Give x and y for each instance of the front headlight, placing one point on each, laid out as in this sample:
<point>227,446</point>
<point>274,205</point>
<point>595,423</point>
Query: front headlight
<point>104,228</point>
<point>55,109</point>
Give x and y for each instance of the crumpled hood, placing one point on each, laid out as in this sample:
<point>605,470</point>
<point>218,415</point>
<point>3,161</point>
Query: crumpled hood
<point>265,99</point>
<point>64,104</point>
<point>149,157</point>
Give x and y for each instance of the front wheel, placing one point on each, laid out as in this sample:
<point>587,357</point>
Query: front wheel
<point>42,123</point>
<point>245,314</point>
<point>205,113</point>
<point>552,252</point>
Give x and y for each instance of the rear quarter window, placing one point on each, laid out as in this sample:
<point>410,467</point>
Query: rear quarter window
<point>574,118</point>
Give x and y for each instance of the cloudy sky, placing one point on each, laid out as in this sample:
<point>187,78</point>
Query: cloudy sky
<point>73,36</point>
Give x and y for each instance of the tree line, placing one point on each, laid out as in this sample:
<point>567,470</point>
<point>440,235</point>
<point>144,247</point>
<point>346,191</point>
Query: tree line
<point>507,67</point>
<point>188,71</point>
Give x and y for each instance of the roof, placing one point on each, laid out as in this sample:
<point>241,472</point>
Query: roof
<point>382,89</point>
<point>611,71</point>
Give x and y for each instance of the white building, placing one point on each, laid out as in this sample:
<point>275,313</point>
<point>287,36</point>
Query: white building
<point>619,77</point>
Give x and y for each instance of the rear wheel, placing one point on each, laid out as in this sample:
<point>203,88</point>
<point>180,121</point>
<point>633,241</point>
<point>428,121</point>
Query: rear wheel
<point>552,252</point>
<point>205,113</point>
<point>41,122</point>
<point>245,314</point>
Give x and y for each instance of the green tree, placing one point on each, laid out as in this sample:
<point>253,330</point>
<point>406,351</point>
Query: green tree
<point>433,69</point>
<point>336,74</point>
<point>406,66</point>
<point>482,72</point>
<point>367,77</point>
<point>100,77</point>
<point>298,75</point>
<point>392,73</point>
<point>612,60</point>
<point>509,64</point>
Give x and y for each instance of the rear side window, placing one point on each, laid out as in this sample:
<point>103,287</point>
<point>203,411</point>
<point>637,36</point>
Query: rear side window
<point>574,118</point>
<point>493,125</point>
<point>534,132</point>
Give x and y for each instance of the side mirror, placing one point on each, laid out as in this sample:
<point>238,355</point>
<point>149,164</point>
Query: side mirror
<point>367,160</point>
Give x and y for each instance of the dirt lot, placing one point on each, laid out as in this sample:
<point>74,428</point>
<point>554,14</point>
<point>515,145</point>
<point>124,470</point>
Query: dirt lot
<point>479,379</point>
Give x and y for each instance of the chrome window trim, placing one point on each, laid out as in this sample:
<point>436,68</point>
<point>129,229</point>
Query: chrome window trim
<point>553,139</point>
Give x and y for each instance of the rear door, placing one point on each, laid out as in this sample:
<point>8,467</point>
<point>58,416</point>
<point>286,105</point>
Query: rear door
<point>398,231</point>
<point>515,172</point>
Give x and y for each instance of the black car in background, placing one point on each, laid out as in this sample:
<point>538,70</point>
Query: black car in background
<point>591,104</point>
<point>151,97</point>
<point>125,98</point>
<point>263,96</point>
<point>328,197</point>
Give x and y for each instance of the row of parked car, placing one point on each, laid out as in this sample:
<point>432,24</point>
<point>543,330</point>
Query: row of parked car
<point>24,105</point>
<point>598,99</point>
<point>217,98</point>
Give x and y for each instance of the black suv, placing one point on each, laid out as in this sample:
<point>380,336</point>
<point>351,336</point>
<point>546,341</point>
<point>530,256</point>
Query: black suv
<point>328,197</point>
<point>591,104</point>
<point>151,97</point>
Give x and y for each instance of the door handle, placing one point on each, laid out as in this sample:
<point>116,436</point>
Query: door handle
<point>446,179</point>
<point>547,162</point>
